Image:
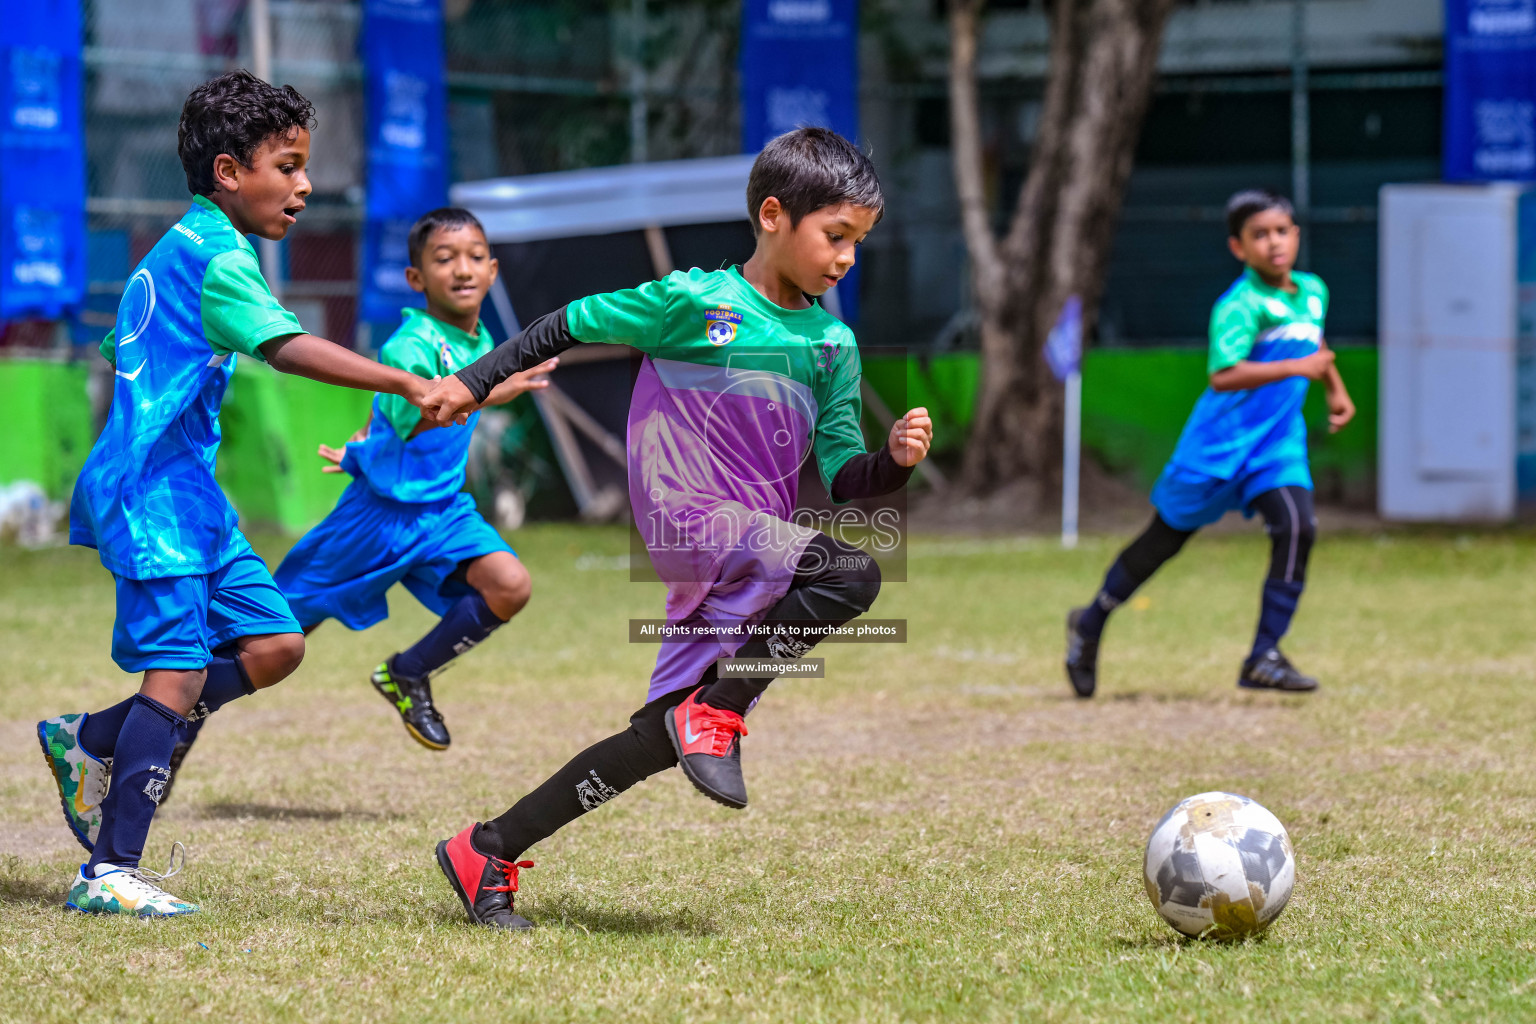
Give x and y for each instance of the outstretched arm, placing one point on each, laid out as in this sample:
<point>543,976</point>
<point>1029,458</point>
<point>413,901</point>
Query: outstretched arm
<point>459,394</point>
<point>308,356</point>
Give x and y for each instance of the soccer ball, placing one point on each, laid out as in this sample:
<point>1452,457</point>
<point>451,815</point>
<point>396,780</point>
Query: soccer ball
<point>1219,865</point>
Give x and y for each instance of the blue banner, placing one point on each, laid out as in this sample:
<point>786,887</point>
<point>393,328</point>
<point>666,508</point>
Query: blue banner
<point>407,115</point>
<point>799,66</point>
<point>1490,90</point>
<point>42,160</point>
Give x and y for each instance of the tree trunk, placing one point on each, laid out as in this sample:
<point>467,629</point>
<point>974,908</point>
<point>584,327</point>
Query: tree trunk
<point>1103,63</point>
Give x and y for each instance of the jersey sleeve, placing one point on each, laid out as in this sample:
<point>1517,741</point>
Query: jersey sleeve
<point>108,347</point>
<point>838,436</point>
<point>413,355</point>
<point>1234,329</point>
<point>631,316</point>
<point>239,310</point>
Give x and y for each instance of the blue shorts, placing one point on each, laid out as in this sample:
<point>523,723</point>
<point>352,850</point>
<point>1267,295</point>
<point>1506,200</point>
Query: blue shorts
<point>1188,500</point>
<point>176,622</point>
<point>342,568</point>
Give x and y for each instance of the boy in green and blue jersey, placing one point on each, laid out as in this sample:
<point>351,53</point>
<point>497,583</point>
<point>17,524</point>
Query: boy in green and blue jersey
<point>197,611</point>
<point>1245,444</point>
<point>406,517</point>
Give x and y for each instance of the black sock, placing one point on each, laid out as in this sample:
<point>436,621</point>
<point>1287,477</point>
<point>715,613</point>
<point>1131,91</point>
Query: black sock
<point>140,772</point>
<point>834,583</point>
<point>588,780</point>
<point>467,623</point>
<point>1134,566</point>
<point>1275,612</point>
<point>99,733</point>
<point>1118,586</point>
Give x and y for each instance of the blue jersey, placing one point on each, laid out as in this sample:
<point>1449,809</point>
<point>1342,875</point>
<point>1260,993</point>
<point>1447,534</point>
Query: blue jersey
<point>431,465</point>
<point>146,498</point>
<point>1231,433</point>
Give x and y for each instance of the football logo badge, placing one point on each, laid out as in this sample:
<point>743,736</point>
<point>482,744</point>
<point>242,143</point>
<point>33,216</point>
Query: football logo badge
<point>720,325</point>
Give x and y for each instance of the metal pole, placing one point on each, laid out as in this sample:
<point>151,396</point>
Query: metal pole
<point>639,110</point>
<point>261,67</point>
<point>1301,126</point>
<point>1072,455</point>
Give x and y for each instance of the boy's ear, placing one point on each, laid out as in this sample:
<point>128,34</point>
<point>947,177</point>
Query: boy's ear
<point>1235,246</point>
<point>414,279</point>
<point>226,172</point>
<point>770,216</point>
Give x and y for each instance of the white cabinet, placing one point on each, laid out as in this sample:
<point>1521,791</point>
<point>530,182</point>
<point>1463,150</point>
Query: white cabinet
<point>1455,390</point>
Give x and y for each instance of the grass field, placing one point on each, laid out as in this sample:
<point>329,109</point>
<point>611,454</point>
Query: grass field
<point>937,830</point>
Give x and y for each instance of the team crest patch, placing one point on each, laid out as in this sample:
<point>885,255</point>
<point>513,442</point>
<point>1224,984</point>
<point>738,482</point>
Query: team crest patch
<point>720,325</point>
<point>445,353</point>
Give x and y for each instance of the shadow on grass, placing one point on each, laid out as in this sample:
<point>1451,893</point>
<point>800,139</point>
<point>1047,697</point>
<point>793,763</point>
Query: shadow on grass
<point>571,914</point>
<point>15,892</point>
<point>235,811</point>
<point>1171,940</point>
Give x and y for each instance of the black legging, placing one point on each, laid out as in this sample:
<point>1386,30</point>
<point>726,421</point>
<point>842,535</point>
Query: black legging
<point>1289,520</point>
<point>833,583</point>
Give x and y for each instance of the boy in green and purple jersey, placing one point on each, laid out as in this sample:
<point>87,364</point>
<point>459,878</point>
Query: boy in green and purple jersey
<point>744,376</point>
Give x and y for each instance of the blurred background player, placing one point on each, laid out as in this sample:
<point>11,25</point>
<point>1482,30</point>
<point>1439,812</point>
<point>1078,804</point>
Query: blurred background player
<point>197,611</point>
<point>406,517</point>
<point>744,376</point>
<point>1244,445</point>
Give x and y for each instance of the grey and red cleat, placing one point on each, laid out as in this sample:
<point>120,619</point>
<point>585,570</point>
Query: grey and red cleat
<point>485,884</point>
<point>1082,656</point>
<point>1274,671</point>
<point>708,744</point>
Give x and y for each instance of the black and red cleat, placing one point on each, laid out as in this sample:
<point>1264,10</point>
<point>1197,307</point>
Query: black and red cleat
<point>485,884</point>
<point>708,744</point>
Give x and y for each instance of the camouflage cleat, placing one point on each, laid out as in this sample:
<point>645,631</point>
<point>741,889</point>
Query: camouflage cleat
<point>125,892</point>
<point>412,698</point>
<point>81,776</point>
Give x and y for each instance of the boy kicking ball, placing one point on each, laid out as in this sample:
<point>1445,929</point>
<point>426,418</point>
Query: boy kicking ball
<point>406,518</point>
<point>744,376</point>
<point>197,611</point>
<point>1244,446</point>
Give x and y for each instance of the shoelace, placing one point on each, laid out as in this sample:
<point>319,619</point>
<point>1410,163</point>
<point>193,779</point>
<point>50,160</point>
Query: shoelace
<point>149,878</point>
<point>509,871</point>
<point>723,724</point>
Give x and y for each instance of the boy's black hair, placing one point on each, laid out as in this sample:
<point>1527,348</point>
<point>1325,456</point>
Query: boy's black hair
<point>1248,202</point>
<point>234,113</point>
<point>811,168</point>
<point>449,217</point>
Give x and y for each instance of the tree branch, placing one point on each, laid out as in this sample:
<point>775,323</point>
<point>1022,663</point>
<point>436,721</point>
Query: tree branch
<point>966,148</point>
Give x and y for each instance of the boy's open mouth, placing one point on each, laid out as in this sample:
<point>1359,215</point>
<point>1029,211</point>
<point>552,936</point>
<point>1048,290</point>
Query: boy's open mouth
<point>292,212</point>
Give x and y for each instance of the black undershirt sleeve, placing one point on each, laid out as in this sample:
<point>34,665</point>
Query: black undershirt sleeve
<point>869,475</point>
<point>546,337</point>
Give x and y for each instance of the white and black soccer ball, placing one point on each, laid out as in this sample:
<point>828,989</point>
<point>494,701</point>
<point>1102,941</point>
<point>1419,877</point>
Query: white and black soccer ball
<point>1219,865</point>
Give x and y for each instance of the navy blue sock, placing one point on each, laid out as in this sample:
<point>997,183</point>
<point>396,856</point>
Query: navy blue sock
<point>1279,604</point>
<point>226,681</point>
<point>139,774</point>
<point>99,733</point>
<point>1118,586</point>
<point>466,624</point>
